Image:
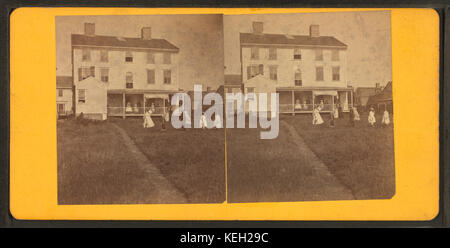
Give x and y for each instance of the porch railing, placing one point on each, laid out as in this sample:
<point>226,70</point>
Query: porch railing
<point>130,111</point>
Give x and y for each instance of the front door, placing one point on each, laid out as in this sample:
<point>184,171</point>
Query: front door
<point>61,108</point>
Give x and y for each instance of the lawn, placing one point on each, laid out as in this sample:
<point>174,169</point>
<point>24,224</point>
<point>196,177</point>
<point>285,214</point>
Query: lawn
<point>360,158</point>
<point>94,167</point>
<point>193,159</point>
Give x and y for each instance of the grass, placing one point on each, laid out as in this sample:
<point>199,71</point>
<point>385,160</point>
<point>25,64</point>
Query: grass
<point>361,157</point>
<point>94,167</point>
<point>193,159</point>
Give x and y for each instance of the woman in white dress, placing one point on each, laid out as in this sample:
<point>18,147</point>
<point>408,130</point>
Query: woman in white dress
<point>371,117</point>
<point>385,121</point>
<point>297,105</point>
<point>356,114</point>
<point>317,119</point>
<point>148,122</point>
<point>203,122</point>
<point>335,112</point>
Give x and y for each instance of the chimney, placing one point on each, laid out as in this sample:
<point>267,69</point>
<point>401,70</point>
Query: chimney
<point>146,33</point>
<point>314,30</point>
<point>89,28</point>
<point>258,27</point>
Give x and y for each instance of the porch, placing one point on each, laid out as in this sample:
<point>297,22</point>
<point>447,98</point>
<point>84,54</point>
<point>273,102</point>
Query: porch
<point>300,100</point>
<point>132,104</point>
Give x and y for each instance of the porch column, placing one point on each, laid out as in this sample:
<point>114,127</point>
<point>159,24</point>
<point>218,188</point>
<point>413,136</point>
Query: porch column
<point>164,107</point>
<point>351,98</point>
<point>143,103</point>
<point>123,105</point>
<point>293,103</point>
<point>332,103</point>
<point>313,104</point>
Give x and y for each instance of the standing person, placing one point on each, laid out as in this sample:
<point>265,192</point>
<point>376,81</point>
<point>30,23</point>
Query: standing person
<point>317,119</point>
<point>148,122</point>
<point>167,115</point>
<point>385,121</point>
<point>331,119</point>
<point>352,117</point>
<point>355,114</point>
<point>203,123</point>
<point>297,105</point>
<point>371,117</point>
<point>335,112</point>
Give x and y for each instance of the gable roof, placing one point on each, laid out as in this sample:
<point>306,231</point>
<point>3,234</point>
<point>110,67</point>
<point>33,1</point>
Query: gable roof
<point>64,82</point>
<point>282,39</point>
<point>113,41</point>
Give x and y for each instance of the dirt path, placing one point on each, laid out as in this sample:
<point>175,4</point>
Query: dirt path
<point>329,187</point>
<point>164,191</point>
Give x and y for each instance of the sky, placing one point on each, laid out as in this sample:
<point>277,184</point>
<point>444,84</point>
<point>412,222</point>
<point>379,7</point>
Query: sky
<point>367,35</point>
<point>199,37</point>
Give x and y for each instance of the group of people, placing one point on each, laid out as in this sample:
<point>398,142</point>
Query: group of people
<point>354,116</point>
<point>203,123</point>
<point>148,121</point>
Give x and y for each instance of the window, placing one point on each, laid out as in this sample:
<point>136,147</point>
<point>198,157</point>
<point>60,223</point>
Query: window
<point>336,74</point>
<point>128,57</point>
<point>319,54</point>
<point>273,72</point>
<point>319,73</point>
<point>272,53</point>
<point>335,55</point>
<point>85,72</point>
<point>104,75</point>
<point>167,58</point>
<point>82,96</point>
<point>254,53</point>
<point>254,70</point>
<point>151,76</point>
<point>61,108</point>
<point>150,58</point>
<point>103,55</point>
<point>167,77</point>
<point>86,54</point>
<point>60,92</point>
<point>297,54</point>
<point>129,80</point>
<point>298,78</point>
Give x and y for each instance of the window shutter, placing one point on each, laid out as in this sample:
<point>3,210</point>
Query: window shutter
<point>261,69</point>
<point>249,72</point>
<point>80,74</point>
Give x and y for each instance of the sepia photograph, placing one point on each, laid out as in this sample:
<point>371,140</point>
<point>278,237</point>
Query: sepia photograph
<point>116,77</point>
<point>332,73</point>
<point>162,109</point>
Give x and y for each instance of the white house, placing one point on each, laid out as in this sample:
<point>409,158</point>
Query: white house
<point>304,69</point>
<point>137,73</point>
<point>64,94</point>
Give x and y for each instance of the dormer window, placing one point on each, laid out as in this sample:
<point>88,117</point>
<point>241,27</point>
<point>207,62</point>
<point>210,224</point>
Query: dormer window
<point>129,57</point>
